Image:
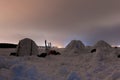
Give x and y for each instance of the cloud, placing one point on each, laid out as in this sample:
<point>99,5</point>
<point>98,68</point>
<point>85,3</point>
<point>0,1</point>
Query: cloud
<point>110,35</point>
<point>57,20</point>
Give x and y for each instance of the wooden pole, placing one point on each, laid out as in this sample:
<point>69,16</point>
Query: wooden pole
<point>46,49</point>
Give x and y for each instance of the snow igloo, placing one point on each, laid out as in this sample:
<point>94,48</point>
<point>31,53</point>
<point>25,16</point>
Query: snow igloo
<point>75,46</point>
<point>102,45</point>
<point>27,47</point>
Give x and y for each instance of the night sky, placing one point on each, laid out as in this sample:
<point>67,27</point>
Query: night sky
<point>60,21</point>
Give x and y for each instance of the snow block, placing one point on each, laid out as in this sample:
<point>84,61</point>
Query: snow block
<point>63,70</point>
<point>116,76</point>
<point>74,76</point>
<point>24,72</point>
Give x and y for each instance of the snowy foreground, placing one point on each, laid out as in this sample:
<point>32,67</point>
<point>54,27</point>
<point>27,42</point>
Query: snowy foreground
<point>68,66</point>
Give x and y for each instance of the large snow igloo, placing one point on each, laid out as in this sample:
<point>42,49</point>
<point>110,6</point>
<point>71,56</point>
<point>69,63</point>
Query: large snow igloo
<point>27,47</point>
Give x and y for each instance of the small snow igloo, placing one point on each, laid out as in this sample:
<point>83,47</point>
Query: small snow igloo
<point>75,46</point>
<point>102,45</point>
<point>104,52</point>
<point>27,47</point>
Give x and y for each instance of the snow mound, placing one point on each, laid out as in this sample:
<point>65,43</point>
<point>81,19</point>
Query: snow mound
<point>102,65</point>
<point>24,72</point>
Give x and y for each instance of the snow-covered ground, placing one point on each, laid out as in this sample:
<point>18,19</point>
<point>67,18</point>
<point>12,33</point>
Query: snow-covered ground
<point>101,65</point>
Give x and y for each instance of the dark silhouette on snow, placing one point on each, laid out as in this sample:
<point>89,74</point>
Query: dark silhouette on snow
<point>93,50</point>
<point>43,55</point>
<point>115,47</point>
<point>118,56</point>
<point>53,52</point>
<point>13,54</point>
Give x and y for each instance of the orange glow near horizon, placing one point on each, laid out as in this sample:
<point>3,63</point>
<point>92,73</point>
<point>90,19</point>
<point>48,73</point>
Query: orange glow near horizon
<point>60,46</point>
